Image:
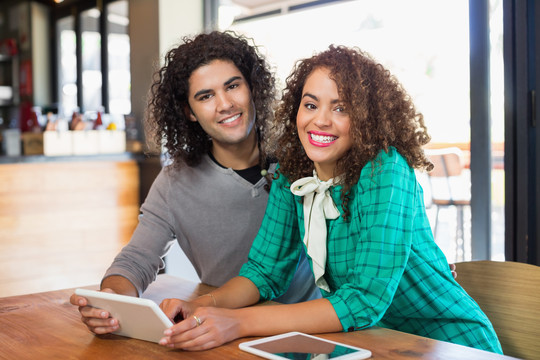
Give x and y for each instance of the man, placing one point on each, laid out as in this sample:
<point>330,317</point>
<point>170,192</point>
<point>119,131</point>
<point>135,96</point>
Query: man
<point>210,107</point>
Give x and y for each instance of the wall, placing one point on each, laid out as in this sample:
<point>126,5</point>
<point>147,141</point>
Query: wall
<point>155,26</point>
<point>176,19</point>
<point>41,54</point>
<point>144,43</point>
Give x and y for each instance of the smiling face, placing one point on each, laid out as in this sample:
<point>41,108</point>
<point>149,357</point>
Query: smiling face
<point>323,123</point>
<point>220,100</point>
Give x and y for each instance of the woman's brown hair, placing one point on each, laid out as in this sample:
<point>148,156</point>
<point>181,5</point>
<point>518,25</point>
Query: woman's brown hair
<point>381,112</point>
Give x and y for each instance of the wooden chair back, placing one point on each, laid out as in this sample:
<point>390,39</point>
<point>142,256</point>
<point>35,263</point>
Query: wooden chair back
<point>509,294</point>
<point>449,185</point>
<point>447,162</point>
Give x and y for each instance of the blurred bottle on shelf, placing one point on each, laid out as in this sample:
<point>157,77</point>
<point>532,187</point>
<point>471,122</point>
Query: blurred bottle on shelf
<point>76,122</point>
<point>98,122</point>
<point>30,118</point>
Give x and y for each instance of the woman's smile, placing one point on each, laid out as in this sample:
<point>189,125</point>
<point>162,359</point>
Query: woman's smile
<point>321,139</point>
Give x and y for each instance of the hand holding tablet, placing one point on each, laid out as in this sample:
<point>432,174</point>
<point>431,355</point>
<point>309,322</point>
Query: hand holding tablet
<point>138,318</point>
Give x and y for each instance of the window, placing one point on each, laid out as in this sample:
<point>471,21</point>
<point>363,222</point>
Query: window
<point>497,130</point>
<point>119,76</point>
<point>424,43</point>
<point>93,59</point>
<point>67,76</point>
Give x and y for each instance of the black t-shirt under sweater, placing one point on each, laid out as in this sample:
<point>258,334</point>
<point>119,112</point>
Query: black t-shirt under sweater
<point>251,174</point>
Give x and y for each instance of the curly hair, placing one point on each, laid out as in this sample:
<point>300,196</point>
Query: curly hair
<point>381,113</point>
<point>185,141</point>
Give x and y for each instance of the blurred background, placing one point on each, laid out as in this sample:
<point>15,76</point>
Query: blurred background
<point>468,65</point>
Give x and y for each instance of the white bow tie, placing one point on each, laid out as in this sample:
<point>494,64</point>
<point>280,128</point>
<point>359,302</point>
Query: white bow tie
<point>318,206</point>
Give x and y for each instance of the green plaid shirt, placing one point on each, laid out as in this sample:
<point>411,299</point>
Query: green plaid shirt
<point>383,266</point>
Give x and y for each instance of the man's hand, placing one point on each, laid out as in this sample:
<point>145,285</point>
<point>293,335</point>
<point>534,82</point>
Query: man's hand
<point>98,321</point>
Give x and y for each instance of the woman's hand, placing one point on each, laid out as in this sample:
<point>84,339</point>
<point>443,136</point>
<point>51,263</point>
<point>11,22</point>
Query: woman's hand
<point>204,328</point>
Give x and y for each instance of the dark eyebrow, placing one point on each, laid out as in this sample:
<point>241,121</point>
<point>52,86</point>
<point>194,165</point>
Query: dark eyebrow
<point>201,92</point>
<point>233,79</point>
<point>311,96</point>
<point>335,101</point>
<point>226,83</point>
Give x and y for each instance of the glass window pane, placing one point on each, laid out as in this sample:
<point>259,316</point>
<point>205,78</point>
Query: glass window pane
<point>119,52</point>
<point>91,60</point>
<point>67,74</point>
<point>497,130</point>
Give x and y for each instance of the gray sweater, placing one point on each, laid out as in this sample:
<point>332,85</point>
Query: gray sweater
<point>214,214</point>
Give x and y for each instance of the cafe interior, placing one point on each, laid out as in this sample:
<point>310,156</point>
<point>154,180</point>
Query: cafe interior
<point>76,165</point>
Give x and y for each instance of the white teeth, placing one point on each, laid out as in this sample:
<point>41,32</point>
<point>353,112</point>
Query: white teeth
<point>323,138</point>
<point>231,119</point>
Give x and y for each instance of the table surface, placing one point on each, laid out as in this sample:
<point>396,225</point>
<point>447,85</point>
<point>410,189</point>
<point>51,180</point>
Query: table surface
<point>46,326</point>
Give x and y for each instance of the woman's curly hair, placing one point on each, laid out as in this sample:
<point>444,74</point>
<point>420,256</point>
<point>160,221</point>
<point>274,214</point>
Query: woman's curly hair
<point>185,141</point>
<point>381,113</point>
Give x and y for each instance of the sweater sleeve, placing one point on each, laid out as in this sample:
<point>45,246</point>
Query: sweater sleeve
<point>274,255</point>
<point>383,213</point>
<point>141,259</point>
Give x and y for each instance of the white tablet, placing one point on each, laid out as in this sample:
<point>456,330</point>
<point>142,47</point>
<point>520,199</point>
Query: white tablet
<point>299,346</point>
<point>138,318</point>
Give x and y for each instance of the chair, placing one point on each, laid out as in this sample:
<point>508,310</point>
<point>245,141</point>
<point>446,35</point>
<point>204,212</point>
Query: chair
<point>509,294</point>
<point>450,186</point>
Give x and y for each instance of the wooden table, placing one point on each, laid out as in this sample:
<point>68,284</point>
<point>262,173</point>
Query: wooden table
<point>46,326</point>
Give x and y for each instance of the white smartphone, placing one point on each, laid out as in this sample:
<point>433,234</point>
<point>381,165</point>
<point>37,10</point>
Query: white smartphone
<point>299,346</point>
<point>138,318</point>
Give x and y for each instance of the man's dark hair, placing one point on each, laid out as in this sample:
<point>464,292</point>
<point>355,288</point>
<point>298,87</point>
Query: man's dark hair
<point>185,141</point>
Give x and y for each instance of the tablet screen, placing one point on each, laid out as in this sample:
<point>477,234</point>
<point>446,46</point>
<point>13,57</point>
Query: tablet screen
<point>298,346</point>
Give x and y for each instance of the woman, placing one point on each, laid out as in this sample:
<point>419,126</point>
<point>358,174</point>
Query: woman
<point>349,139</point>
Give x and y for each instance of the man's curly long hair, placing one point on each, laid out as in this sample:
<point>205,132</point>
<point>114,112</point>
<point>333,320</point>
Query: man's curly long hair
<point>381,113</point>
<point>185,141</point>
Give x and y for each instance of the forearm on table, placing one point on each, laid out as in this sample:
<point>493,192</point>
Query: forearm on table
<point>235,293</point>
<point>315,316</point>
<point>119,285</point>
